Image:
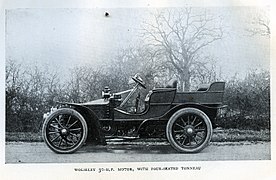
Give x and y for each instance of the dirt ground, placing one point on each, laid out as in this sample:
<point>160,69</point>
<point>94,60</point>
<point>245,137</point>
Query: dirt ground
<point>38,152</point>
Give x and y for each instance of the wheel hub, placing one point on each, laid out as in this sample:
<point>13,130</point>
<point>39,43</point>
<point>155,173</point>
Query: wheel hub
<point>189,130</point>
<point>64,132</point>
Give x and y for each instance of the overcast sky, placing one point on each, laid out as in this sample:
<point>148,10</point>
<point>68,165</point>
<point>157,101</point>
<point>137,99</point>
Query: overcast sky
<point>63,38</point>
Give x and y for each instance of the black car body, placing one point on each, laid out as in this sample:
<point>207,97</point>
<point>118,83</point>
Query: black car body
<point>186,119</point>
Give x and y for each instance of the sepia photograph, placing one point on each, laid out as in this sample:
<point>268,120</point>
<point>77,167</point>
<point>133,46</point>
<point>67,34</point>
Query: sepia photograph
<point>161,86</point>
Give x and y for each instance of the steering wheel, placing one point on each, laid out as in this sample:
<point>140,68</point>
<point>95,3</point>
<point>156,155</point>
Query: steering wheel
<point>139,80</point>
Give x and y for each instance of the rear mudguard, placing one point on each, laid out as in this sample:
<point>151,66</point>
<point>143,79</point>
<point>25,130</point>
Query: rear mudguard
<point>211,111</point>
<point>95,134</point>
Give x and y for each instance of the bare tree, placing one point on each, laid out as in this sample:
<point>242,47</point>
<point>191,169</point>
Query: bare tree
<point>29,92</point>
<point>181,35</point>
<point>13,84</point>
<point>207,73</point>
<point>139,59</point>
<point>73,86</point>
<point>13,72</point>
<point>259,24</point>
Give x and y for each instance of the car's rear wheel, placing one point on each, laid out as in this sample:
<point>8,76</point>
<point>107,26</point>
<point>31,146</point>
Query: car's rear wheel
<point>64,131</point>
<point>189,130</point>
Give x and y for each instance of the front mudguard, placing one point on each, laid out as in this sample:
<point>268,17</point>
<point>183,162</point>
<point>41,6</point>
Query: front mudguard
<point>95,135</point>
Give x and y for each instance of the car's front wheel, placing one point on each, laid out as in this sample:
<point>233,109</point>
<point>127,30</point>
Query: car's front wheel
<point>64,131</point>
<point>189,130</point>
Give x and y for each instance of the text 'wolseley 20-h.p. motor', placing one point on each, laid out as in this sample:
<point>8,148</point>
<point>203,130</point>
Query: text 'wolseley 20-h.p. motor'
<point>186,119</point>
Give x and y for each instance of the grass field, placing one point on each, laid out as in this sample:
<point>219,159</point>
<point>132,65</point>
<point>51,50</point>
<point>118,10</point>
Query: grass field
<point>219,135</point>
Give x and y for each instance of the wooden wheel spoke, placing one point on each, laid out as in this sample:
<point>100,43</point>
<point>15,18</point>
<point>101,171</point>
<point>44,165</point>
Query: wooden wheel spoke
<point>198,124</point>
<point>68,120</point>
<point>184,140</point>
<point>73,124</point>
<point>199,135</point>
<point>76,129</point>
<point>179,131</point>
<point>75,135</point>
<point>69,142</point>
<point>54,126</point>
<point>60,142</point>
<point>53,132</point>
<point>179,125</point>
<point>184,123</point>
<point>52,140</point>
<point>193,121</point>
<point>66,144</point>
<point>58,121</point>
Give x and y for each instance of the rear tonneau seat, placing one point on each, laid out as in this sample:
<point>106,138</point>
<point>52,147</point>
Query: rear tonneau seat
<point>216,86</point>
<point>203,87</point>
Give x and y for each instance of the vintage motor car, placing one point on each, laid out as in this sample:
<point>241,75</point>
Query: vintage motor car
<point>186,119</point>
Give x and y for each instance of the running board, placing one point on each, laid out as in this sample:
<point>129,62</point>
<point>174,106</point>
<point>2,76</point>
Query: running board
<point>122,137</point>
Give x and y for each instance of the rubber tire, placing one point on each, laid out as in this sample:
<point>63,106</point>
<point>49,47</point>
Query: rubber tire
<point>181,112</point>
<point>65,111</point>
